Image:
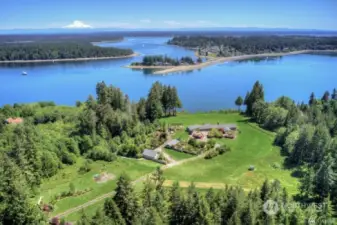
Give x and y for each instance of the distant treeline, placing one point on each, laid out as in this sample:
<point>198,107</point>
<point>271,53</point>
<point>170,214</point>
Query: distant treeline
<point>66,50</point>
<point>159,60</point>
<point>59,38</point>
<point>230,46</point>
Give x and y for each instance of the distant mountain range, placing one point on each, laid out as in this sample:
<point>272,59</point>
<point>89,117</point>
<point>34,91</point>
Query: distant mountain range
<point>209,30</point>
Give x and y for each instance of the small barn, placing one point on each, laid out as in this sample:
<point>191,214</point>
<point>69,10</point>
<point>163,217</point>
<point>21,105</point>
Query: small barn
<point>172,143</point>
<point>150,154</point>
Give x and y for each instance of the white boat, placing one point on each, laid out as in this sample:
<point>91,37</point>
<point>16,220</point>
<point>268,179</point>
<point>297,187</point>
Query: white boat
<point>24,73</point>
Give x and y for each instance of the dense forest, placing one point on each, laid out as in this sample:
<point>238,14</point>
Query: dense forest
<point>53,136</point>
<point>57,46</point>
<point>65,50</point>
<point>230,206</point>
<point>245,45</point>
<point>307,135</point>
<point>159,60</point>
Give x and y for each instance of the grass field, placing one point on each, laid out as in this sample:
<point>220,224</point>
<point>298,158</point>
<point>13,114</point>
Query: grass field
<point>253,146</point>
<point>177,155</point>
<point>60,182</point>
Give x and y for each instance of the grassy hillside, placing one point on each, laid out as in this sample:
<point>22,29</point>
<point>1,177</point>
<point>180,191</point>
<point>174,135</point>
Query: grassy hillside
<point>253,146</point>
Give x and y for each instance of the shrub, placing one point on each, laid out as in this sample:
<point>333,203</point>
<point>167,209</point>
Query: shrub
<point>99,153</point>
<point>192,142</point>
<point>211,154</point>
<point>215,133</point>
<point>86,167</point>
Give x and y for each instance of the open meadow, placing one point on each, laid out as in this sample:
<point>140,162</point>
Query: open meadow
<point>253,146</point>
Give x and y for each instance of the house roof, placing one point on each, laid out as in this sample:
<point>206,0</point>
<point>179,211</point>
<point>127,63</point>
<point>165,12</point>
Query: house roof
<point>14,120</point>
<point>150,153</point>
<point>211,126</point>
<point>172,142</point>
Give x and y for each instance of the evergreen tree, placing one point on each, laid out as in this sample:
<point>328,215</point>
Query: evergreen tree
<point>312,99</point>
<point>325,177</point>
<point>111,210</point>
<point>125,199</point>
<point>255,95</point>
<point>239,102</point>
<point>334,94</point>
<point>325,97</point>
<point>15,205</point>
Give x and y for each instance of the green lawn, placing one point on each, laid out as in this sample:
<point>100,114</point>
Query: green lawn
<point>253,146</point>
<point>59,183</point>
<point>177,155</point>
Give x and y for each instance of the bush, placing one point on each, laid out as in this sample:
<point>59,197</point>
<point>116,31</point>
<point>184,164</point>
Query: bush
<point>215,133</point>
<point>211,154</point>
<point>99,153</point>
<point>86,167</point>
<point>192,142</point>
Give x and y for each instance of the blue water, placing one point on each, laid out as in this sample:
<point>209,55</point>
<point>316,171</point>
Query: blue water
<point>214,87</point>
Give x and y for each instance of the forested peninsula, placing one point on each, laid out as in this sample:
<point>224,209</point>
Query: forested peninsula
<point>252,45</point>
<point>31,48</point>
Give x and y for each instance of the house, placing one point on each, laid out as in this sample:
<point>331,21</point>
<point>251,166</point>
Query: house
<point>17,120</point>
<point>150,154</point>
<point>208,127</point>
<point>172,143</point>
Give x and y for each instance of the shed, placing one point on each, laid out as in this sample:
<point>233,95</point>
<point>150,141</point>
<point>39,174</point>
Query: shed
<point>150,154</point>
<point>172,143</point>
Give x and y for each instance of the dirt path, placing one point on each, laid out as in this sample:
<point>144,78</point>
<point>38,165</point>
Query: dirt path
<point>185,184</point>
<point>140,179</point>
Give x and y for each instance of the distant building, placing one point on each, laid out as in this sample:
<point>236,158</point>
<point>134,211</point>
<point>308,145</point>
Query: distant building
<point>17,120</point>
<point>172,143</point>
<point>208,127</point>
<point>150,154</point>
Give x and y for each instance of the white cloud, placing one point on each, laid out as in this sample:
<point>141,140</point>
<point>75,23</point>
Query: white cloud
<point>78,24</point>
<point>145,21</point>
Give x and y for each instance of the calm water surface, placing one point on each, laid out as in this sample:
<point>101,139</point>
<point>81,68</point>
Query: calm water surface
<point>214,87</point>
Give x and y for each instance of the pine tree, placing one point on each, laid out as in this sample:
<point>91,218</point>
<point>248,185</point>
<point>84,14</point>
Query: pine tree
<point>100,219</point>
<point>334,94</point>
<point>111,210</point>
<point>249,216</point>
<point>257,94</point>
<point>84,219</point>
<point>265,191</point>
<point>307,183</point>
<point>16,206</point>
<point>326,96</point>
<point>325,177</point>
<point>239,102</point>
<point>312,99</point>
<point>125,199</point>
<point>326,213</point>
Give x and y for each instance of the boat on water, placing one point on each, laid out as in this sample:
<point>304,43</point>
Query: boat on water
<point>24,73</point>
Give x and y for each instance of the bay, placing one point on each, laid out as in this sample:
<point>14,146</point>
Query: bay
<point>211,88</point>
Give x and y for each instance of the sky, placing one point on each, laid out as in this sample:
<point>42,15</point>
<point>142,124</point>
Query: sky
<point>43,14</point>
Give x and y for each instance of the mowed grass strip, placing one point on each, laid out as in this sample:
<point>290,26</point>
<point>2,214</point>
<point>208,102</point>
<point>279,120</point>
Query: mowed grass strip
<point>60,182</point>
<point>177,155</point>
<point>253,146</point>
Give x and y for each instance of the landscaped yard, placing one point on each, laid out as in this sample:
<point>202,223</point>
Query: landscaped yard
<point>253,146</point>
<point>59,183</point>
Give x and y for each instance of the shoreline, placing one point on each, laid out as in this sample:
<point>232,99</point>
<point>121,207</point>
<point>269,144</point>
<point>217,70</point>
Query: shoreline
<point>69,60</point>
<point>149,67</point>
<point>218,60</point>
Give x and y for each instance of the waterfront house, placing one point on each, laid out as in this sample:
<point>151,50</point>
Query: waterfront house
<point>208,127</point>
